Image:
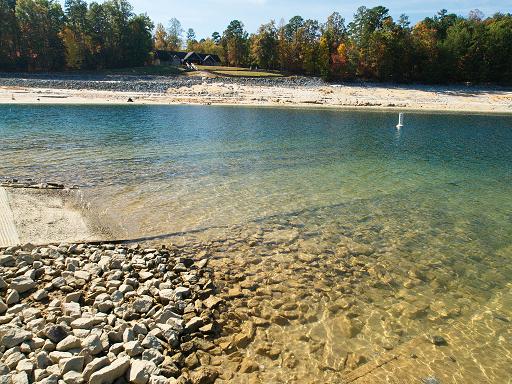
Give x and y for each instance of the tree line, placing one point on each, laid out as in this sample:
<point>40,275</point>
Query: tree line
<point>373,46</point>
<point>40,35</point>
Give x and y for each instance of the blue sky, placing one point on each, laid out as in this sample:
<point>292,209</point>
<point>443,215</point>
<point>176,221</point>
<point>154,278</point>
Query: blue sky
<point>207,16</point>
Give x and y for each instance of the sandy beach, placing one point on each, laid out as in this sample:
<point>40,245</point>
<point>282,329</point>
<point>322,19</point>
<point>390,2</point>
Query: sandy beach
<point>373,96</point>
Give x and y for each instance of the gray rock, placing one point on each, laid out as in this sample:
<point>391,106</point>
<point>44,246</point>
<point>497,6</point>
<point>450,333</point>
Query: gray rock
<point>95,366</point>
<point>43,360</point>
<point>182,293</point>
<point>83,275</point>
<point>151,341</point>
<point>56,333</point>
<point>108,374</point>
<point>12,297</point>
<point>172,336</point>
<point>105,306</point>
<point>52,379</point>
<point>166,295</point>
<point>430,380</point>
<point>143,304</point>
<point>3,307</point>
<point>140,329</point>
<point>40,295</point>
<point>437,340</point>
<point>25,366</point>
<point>73,297</point>
<point>22,284</point>
<point>12,336</point>
<point>16,309</point>
<point>58,282</point>
<point>193,325</point>
<point>40,374</point>
<point>117,348</point>
<point>20,378</point>
<point>153,355</point>
<point>71,309</point>
<point>69,342</point>
<point>85,323</point>
<point>55,356</point>
<point>75,363</point>
<point>73,377</point>
<point>140,371</point>
<point>133,348</point>
<point>13,359</point>
<point>7,260</point>
<point>93,344</point>
<point>128,335</point>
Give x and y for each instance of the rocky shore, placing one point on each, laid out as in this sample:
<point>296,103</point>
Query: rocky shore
<point>302,92</point>
<point>83,313</point>
<point>146,84</point>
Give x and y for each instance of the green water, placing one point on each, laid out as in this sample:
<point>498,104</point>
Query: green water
<point>432,200</point>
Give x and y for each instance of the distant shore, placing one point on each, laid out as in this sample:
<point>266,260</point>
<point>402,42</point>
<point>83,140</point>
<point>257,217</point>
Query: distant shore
<point>291,92</point>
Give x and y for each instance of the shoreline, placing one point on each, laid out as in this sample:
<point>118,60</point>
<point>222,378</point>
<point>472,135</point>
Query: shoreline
<point>346,97</point>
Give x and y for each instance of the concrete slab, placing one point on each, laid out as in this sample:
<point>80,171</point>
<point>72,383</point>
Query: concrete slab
<point>8,232</point>
<point>45,216</point>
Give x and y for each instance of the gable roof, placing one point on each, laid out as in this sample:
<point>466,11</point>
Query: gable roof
<point>180,55</point>
<point>170,55</point>
<point>192,56</point>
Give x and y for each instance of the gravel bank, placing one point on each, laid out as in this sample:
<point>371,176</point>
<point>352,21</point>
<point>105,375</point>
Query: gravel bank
<point>105,313</point>
<point>148,84</point>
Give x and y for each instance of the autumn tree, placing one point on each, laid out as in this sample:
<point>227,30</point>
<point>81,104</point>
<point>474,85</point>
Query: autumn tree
<point>264,46</point>
<point>40,23</point>
<point>191,39</point>
<point>174,34</point>
<point>160,38</point>
<point>235,43</point>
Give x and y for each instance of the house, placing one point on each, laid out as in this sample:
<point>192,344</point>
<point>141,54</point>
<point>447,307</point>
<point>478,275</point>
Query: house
<point>210,59</point>
<point>182,58</point>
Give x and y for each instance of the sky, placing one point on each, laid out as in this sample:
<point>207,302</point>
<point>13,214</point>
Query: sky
<point>207,16</point>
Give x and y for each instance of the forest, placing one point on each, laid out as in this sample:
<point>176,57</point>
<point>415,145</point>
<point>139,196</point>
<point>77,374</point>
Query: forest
<point>38,35</point>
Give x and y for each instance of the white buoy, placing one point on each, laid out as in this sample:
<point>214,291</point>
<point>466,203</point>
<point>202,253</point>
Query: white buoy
<point>400,120</point>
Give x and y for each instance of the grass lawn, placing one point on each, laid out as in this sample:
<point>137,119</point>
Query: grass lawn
<point>239,72</point>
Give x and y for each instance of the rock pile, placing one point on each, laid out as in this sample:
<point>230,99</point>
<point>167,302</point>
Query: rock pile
<point>101,314</point>
<point>152,84</point>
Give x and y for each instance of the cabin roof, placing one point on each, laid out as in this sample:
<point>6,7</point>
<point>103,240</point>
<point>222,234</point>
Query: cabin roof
<point>170,55</point>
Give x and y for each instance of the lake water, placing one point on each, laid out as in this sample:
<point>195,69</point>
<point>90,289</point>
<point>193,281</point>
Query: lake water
<point>397,233</point>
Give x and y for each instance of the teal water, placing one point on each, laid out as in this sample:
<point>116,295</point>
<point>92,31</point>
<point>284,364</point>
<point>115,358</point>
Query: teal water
<point>219,166</point>
<point>434,198</point>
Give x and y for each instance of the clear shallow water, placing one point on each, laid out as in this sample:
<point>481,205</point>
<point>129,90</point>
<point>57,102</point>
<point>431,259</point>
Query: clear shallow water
<point>197,167</point>
<point>431,203</point>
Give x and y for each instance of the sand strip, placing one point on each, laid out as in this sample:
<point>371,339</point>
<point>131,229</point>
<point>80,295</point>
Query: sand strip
<point>367,97</point>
